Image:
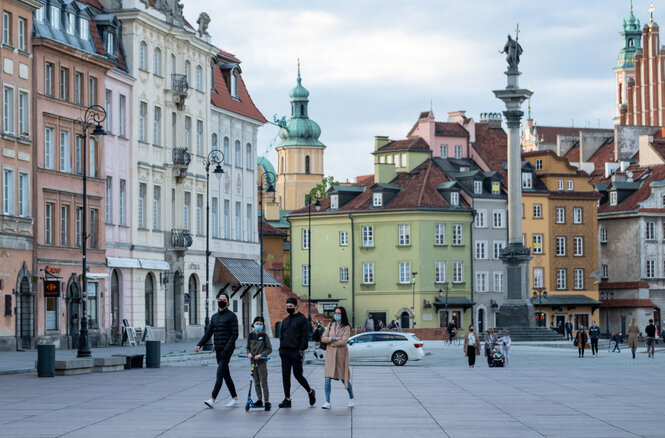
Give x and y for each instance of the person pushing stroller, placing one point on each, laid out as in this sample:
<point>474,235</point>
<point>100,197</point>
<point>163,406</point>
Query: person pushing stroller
<point>258,346</point>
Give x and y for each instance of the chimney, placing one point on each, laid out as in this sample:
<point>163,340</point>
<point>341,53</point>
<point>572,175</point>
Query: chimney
<point>380,141</point>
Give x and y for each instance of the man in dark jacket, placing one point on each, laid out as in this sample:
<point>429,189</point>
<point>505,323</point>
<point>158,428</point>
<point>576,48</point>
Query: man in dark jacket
<point>569,331</point>
<point>292,345</point>
<point>224,325</point>
<point>650,331</point>
<point>594,334</point>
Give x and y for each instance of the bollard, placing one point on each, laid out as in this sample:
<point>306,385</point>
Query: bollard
<point>152,354</point>
<point>46,360</point>
<point>278,329</point>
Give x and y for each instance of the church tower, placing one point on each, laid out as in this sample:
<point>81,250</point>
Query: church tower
<point>625,67</point>
<point>299,154</point>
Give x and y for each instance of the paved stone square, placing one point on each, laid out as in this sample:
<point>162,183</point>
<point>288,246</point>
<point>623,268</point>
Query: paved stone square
<point>546,392</point>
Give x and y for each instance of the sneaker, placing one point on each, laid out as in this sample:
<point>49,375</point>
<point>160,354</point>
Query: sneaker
<point>268,406</point>
<point>210,403</point>
<point>258,404</point>
<point>351,402</point>
<point>232,403</point>
<point>326,405</point>
<point>312,397</point>
<point>285,404</point>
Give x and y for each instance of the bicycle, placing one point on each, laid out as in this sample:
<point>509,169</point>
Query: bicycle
<point>453,340</point>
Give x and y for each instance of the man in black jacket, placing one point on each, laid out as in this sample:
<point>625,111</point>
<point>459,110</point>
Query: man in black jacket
<point>292,345</point>
<point>594,334</point>
<point>224,325</point>
<point>650,331</point>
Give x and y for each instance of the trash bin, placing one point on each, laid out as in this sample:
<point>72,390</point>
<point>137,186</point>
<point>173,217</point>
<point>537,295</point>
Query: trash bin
<point>152,354</point>
<point>278,329</point>
<point>46,360</point>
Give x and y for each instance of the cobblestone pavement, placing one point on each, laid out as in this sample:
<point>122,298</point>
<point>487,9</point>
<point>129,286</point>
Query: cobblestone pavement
<point>546,392</point>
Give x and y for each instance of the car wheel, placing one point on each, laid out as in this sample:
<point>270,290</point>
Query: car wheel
<point>399,358</point>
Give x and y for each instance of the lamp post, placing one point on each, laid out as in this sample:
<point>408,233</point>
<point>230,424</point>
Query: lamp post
<point>94,116</point>
<point>606,297</point>
<point>445,312</point>
<point>317,206</point>
<point>214,157</point>
<point>540,292</point>
<point>413,296</point>
<point>269,179</point>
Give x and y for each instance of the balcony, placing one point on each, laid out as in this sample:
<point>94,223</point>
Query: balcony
<point>180,160</point>
<point>179,87</point>
<point>181,240</point>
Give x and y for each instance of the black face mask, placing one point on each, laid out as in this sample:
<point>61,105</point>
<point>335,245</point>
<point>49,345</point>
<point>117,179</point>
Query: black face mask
<point>221,304</point>
<point>290,310</point>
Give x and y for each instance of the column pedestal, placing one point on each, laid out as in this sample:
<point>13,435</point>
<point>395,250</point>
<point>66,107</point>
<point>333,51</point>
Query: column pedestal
<point>516,311</point>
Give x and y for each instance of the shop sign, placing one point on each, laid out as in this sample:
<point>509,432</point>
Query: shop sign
<point>51,288</point>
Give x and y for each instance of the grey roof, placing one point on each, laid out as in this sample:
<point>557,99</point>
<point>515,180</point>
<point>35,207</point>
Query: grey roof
<point>446,185</point>
<point>245,272</point>
<point>623,185</point>
<point>565,300</point>
<point>453,302</point>
<point>357,189</point>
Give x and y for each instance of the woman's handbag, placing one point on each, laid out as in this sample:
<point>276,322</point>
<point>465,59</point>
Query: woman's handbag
<point>323,346</point>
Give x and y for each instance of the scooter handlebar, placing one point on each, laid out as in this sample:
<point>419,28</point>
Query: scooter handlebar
<point>244,356</point>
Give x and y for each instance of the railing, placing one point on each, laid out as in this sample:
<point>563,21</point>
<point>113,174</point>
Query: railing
<point>181,157</point>
<point>181,239</point>
<point>179,83</point>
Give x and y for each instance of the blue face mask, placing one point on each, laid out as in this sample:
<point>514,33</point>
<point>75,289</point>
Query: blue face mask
<point>258,328</point>
<point>338,318</point>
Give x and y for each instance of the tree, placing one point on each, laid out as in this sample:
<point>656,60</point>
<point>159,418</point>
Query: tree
<point>320,190</point>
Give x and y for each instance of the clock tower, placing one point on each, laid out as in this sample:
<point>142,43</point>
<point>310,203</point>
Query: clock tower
<point>625,67</point>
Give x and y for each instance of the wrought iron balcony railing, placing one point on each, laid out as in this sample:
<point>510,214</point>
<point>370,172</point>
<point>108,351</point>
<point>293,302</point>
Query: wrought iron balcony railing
<point>179,84</point>
<point>181,239</point>
<point>181,157</point>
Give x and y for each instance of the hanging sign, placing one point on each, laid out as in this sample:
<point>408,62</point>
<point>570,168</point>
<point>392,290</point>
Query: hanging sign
<point>51,288</point>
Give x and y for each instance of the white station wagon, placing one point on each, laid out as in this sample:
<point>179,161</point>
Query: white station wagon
<point>397,348</point>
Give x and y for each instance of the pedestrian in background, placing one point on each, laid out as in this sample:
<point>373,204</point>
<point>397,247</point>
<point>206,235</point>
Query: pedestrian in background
<point>581,339</point>
<point>337,355</point>
<point>569,331</point>
<point>471,346</point>
<point>633,333</point>
<point>650,331</point>
<point>369,323</point>
<point>379,326</point>
<point>594,334</point>
<point>490,341</point>
<point>616,338</point>
<point>505,347</point>
<point>258,348</point>
<point>397,326</point>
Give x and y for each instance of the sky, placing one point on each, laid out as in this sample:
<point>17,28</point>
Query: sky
<point>371,66</point>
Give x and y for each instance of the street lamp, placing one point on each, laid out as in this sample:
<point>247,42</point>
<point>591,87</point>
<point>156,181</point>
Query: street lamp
<point>413,294</point>
<point>540,292</point>
<point>268,178</point>
<point>606,297</point>
<point>317,206</point>
<point>94,116</point>
<point>214,157</point>
<point>445,312</point>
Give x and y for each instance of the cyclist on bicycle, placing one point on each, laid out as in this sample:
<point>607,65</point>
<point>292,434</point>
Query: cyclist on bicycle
<point>452,330</point>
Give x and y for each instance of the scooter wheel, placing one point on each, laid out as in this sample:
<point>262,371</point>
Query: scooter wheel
<point>246,407</point>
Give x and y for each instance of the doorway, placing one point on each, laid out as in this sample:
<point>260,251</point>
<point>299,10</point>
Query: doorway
<point>481,320</point>
<point>404,320</point>
<point>245,314</point>
<point>178,301</point>
<point>115,307</point>
<point>191,299</point>
<point>623,325</point>
<point>26,305</point>
<point>560,320</point>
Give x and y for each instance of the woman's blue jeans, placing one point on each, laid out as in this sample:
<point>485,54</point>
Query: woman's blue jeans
<point>328,385</point>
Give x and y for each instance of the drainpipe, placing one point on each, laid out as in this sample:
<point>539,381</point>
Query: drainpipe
<point>353,274</point>
<point>473,254</point>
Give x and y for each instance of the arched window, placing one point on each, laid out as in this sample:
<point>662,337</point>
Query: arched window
<point>306,163</point>
<point>173,64</point>
<point>149,300</point>
<point>188,72</point>
<point>199,78</point>
<point>143,56</point>
<point>227,156</point>
<point>302,110</point>
<point>193,307</point>
<point>213,140</point>
<point>238,156</point>
<point>631,43</point>
<point>158,61</point>
<point>248,156</point>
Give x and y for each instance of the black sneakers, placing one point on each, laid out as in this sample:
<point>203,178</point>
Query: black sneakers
<point>285,404</point>
<point>268,406</point>
<point>258,404</point>
<point>312,397</point>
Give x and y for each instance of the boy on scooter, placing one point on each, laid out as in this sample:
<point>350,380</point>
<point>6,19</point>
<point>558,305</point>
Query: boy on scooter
<point>258,345</point>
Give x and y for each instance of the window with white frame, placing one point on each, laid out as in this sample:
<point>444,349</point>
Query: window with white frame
<point>110,43</point>
<point>561,279</point>
<point>23,194</point>
<point>560,185</point>
<point>49,153</point>
<point>570,185</point>
<point>237,155</point>
<point>249,161</point>
<point>227,219</point>
<point>188,133</point>
<point>578,246</point>
<point>157,67</point>
<point>199,137</point>
<point>560,215</point>
<point>143,113</point>
<point>48,224</point>
<point>199,214</point>
<point>343,274</point>
<point>439,234</point>
<point>478,187</point>
<point>561,246</point>
<point>537,244</point>
<point>443,149</point>
<point>23,113</point>
<point>249,223</point>
<point>8,109</point>
<point>651,268</point>
<point>92,167</point>
<point>157,208</point>
<point>40,14</point>
<point>458,272</point>
<point>143,56</point>
<point>122,122</point>
<point>334,202</point>
<point>604,271</point>
<point>214,217</point>
<point>22,24</point>
<point>8,191</point>
<point>440,272</point>
<point>454,198</point>
<point>498,247</point>
<point>305,275</point>
<point>578,275</point>
<point>403,159</point>
<point>527,180</point>
<point>122,193</point>
<point>108,125</point>
<point>538,277</point>
<point>613,198</point>
<point>65,156</point>
<point>64,222</point>
<point>84,28</point>
<point>537,211</point>
<point>481,282</point>
<point>77,222</point>
<point>603,235</point>
<point>199,78</point>
<point>55,17</point>
<point>539,164</point>
<point>577,215</point>
<point>481,250</point>
<point>458,151</point>
<point>305,238</point>
<point>368,273</point>
<point>343,238</point>
<point>404,234</point>
<point>78,88</point>
<point>377,199</point>
<point>238,222</point>
<point>498,282</point>
<point>92,90</point>
<point>496,188</point>
<point>108,208</point>
<point>481,219</point>
<point>457,234</point>
<point>498,219</point>
<point>404,270</point>
<point>650,231</point>
<point>142,200</point>
<point>368,235</point>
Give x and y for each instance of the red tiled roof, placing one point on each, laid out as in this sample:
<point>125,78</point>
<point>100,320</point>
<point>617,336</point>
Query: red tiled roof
<point>93,3</point>
<point>658,145</point>
<point>553,154</point>
<point>548,133</point>
<point>623,285</point>
<point>604,154</point>
<point>269,230</point>
<point>96,38</point>
<point>244,105</point>
<point>626,302</point>
<point>573,154</point>
<point>448,129</point>
<point>363,180</point>
<point>403,145</point>
<point>630,203</point>
<point>229,55</point>
<point>492,146</point>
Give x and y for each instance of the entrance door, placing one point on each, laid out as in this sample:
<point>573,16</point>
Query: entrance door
<point>192,300</point>
<point>26,314</point>
<point>481,320</point>
<point>245,314</point>
<point>177,300</point>
<point>560,321</point>
<point>73,312</point>
<point>581,319</point>
<point>623,325</point>
<point>115,307</point>
<point>404,320</point>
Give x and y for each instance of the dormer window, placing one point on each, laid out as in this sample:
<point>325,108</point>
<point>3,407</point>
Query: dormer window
<point>464,169</point>
<point>458,151</point>
<point>55,17</point>
<point>560,186</point>
<point>527,180</point>
<point>570,185</point>
<point>454,199</point>
<point>477,187</point>
<point>84,28</point>
<point>377,199</point>
<point>71,23</point>
<point>496,188</point>
<point>110,43</point>
<point>613,198</point>
<point>334,202</point>
<point>234,84</point>
<point>539,164</point>
<point>39,14</point>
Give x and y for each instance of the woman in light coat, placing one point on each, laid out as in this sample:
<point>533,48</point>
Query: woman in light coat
<point>633,333</point>
<point>337,354</point>
<point>471,346</point>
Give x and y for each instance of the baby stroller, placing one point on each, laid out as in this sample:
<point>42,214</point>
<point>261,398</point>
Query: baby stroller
<point>496,358</point>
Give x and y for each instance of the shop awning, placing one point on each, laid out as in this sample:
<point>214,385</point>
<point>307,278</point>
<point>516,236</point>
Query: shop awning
<point>157,265</point>
<point>96,276</point>
<point>244,272</point>
<point>628,303</point>
<point>568,300</point>
<point>122,262</point>
<point>462,302</point>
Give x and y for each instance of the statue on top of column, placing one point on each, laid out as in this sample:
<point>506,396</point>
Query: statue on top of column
<point>513,50</point>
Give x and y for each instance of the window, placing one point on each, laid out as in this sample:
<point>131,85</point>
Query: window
<point>142,195</point>
<point>122,122</point>
<point>48,79</point>
<point>343,238</point>
<point>234,84</point>
<point>539,164</point>
<point>579,278</point>
<point>404,234</point>
<point>440,272</point>
<point>215,217</point>
<point>51,317</point>
<point>157,208</point>
<point>21,33</point>
<point>496,188</point>
<point>650,231</point>
<point>71,23</point>
<point>305,238</point>
<point>188,72</point>
<point>498,248</point>
<point>457,234</point>
<point>65,156</point>
<point>48,224</point>
<point>143,57</point>
<point>603,235</point>
<point>368,273</point>
<point>199,215</point>
<point>377,199</point>
<point>49,159</point>
<point>108,96</point>
<point>79,216</point>
<point>199,137</point>
<point>454,198</point>
<point>404,270</point>
<point>122,201</point>
<point>481,282</point>
<point>227,219</point>
<point>92,238</point>
<point>92,85</point>
<point>199,78</point>
<point>604,271</point>
<point>458,272</point>
<point>238,228</point>
<point>93,305</point>
<point>577,215</point>
<point>343,275</point>
<point>481,218</point>
<point>78,88</point>
<point>570,185</point>
<point>334,202</point>
<point>498,282</point>
<point>538,275</point>
<point>561,279</point>
<point>458,151</point>
<point>444,150</point>
<point>560,185</point>
<point>55,17</point>
<point>64,220</point>
<point>78,141</point>
<point>157,67</point>
<point>157,127</point>
<point>578,246</point>
<point>23,114</point>
<point>613,198</point>
<point>110,43</point>
<point>439,234</point>
<point>143,110</point>
<point>537,211</point>
<point>560,245</point>
<point>238,157</point>
<point>248,156</point>
<point>651,268</point>
<point>186,211</point>
<point>8,109</point>
<point>403,160</point>
<point>108,206</point>
<point>497,219</point>
<point>8,191</point>
<point>226,151</point>
<point>84,28</point>
<point>537,244</point>
<point>560,215</point>
<point>23,194</point>
<point>6,28</point>
<point>477,187</point>
<point>527,180</point>
<point>93,158</point>
<point>249,221</point>
<point>481,250</point>
<point>40,14</point>
<point>368,235</point>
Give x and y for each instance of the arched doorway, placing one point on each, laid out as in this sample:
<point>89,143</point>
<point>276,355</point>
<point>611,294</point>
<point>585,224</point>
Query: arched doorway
<point>178,301</point>
<point>149,301</point>
<point>191,298</point>
<point>481,320</point>
<point>405,320</point>
<point>115,307</point>
<point>73,310</point>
